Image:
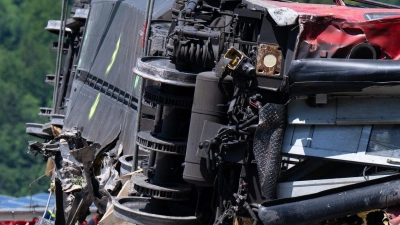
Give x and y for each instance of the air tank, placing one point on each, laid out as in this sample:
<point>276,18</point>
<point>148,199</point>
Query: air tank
<point>209,104</point>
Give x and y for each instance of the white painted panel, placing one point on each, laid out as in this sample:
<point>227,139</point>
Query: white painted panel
<point>337,138</point>
<point>300,112</point>
<point>301,135</point>
<point>340,156</point>
<point>299,188</point>
<point>346,110</point>
<point>368,110</point>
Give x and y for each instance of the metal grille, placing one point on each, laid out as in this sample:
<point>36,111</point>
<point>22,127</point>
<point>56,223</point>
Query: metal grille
<point>111,91</point>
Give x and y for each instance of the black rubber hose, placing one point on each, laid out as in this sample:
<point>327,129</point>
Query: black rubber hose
<point>333,203</point>
<point>267,146</point>
<point>341,70</point>
<point>314,76</point>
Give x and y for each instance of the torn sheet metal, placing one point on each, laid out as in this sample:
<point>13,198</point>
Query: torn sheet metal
<point>329,37</point>
<point>76,169</point>
<point>331,31</point>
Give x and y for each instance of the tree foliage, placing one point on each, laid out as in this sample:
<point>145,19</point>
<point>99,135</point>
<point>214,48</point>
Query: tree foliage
<point>25,58</point>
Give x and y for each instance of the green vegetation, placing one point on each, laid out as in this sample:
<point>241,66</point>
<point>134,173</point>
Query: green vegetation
<point>25,58</point>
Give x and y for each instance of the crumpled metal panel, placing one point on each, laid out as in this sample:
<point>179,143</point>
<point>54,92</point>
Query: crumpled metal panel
<point>330,31</point>
<point>117,43</point>
<point>111,46</point>
<point>115,32</point>
<point>337,37</point>
<point>101,117</point>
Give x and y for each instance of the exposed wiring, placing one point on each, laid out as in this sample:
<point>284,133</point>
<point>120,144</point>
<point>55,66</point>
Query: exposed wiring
<point>364,171</point>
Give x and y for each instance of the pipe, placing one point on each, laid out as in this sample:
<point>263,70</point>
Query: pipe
<point>200,34</point>
<point>66,77</point>
<point>149,16</point>
<point>333,203</point>
<point>313,76</point>
<point>250,211</point>
<point>158,119</point>
<point>315,70</point>
<point>64,10</point>
<point>71,78</point>
<point>190,7</point>
<point>47,204</point>
<point>149,13</point>
<point>362,51</point>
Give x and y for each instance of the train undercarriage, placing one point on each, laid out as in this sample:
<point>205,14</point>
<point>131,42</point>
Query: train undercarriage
<point>224,112</point>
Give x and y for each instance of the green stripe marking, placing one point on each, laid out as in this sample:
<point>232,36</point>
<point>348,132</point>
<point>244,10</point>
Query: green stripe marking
<point>94,106</point>
<point>136,82</point>
<point>114,55</point>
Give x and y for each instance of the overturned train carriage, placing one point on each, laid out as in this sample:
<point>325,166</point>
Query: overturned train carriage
<point>225,112</point>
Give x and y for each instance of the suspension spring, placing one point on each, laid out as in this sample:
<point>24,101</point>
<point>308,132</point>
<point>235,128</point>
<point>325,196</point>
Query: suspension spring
<point>194,53</point>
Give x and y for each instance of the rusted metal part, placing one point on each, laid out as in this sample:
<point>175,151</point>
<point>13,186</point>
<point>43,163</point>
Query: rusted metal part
<point>243,221</point>
<point>269,59</point>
